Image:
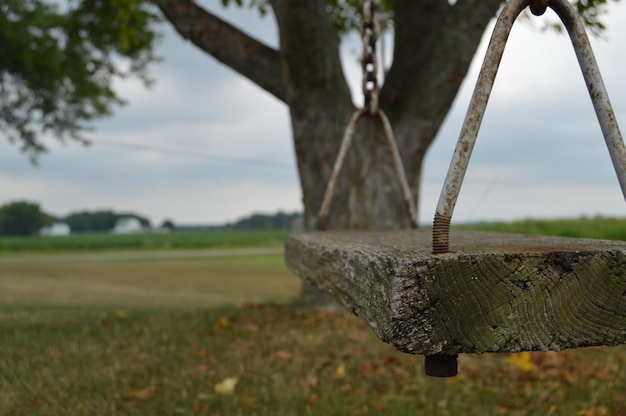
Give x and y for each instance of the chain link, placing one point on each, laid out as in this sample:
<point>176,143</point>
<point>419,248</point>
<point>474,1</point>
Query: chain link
<point>370,31</point>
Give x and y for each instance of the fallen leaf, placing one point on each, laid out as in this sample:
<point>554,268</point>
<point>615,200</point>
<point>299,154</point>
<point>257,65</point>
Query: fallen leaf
<point>128,380</point>
<point>226,386</point>
<point>222,323</point>
<point>594,411</point>
<point>401,372</point>
<point>340,371</point>
<point>366,368</point>
<point>250,400</point>
<point>522,361</point>
<point>283,355</point>
<point>202,368</point>
<point>311,382</point>
<point>140,395</point>
<point>549,359</point>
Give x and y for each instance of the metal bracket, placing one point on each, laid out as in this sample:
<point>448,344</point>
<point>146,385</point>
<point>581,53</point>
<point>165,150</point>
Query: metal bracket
<point>597,91</point>
<point>343,151</point>
<point>445,366</point>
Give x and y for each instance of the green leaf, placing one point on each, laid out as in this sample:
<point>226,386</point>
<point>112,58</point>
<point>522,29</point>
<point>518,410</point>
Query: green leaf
<point>57,64</point>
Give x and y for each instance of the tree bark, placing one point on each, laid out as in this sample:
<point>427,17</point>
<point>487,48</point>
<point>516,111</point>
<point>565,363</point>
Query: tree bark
<point>434,46</point>
<point>227,44</point>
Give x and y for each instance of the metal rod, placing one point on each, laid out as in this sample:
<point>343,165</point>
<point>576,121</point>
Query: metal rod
<point>322,221</point>
<point>595,85</point>
<point>467,138</point>
<point>398,166</point>
<point>471,125</point>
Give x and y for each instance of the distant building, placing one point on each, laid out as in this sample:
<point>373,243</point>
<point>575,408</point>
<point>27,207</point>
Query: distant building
<point>56,229</point>
<point>127,225</point>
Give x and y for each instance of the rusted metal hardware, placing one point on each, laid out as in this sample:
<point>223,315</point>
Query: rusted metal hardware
<point>441,365</point>
<point>322,223</point>
<point>399,168</point>
<point>539,7</point>
<point>597,91</point>
<point>322,219</point>
<point>370,31</point>
<point>441,234</point>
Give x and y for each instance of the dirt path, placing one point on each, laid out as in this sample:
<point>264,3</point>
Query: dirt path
<point>139,255</point>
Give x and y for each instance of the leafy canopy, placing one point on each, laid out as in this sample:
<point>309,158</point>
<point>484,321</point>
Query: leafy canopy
<point>346,14</point>
<point>59,58</point>
<point>22,218</point>
<point>58,62</point>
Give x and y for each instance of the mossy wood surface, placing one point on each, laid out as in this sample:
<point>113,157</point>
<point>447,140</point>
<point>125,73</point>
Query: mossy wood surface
<point>492,292</point>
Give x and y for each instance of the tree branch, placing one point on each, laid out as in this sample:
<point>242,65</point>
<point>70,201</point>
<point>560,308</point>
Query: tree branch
<point>309,46</point>
<point>229,45</point>
<point>434,46</point>
<point>318,95</point>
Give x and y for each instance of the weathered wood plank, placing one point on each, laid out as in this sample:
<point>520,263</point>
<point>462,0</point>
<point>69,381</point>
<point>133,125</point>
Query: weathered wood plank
<point>492,293</point>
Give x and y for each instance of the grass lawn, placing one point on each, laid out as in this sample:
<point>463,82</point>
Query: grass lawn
<point>272,360</point>
<point>205,335</point>
<point>199,282</point>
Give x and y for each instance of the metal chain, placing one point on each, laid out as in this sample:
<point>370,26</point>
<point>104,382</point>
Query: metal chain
<point>370,31</point>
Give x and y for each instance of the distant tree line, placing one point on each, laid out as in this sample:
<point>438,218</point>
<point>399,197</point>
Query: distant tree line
<point>27,218</point>
<point>279,221</point>
<point>98,221</point>
<point>22,218</point>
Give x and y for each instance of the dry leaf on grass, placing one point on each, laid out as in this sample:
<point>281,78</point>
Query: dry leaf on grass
<point>283,355</point>
<point>222,323</point>
<point>340,371</point>
<point>226,386</point>
<point>594,411</point>
<point>522,360</point>
<point>140,395</point>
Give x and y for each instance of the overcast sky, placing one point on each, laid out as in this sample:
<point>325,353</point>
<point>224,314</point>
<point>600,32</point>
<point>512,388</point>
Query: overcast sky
<point>205,145</point>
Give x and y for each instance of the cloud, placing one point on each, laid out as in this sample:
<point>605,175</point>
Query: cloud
<point>539,152</point>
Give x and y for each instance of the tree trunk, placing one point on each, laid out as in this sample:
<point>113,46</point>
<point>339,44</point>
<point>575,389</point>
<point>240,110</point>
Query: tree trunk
<point>433,48</point>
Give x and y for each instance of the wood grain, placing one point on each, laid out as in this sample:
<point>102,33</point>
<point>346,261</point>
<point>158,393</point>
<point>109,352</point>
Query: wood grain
<point>493,292</point>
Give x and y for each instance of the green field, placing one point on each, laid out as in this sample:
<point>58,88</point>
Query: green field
<point>197,280</point>
<point>596,227</point>
<point>147,241</point>
<point>216,332</point>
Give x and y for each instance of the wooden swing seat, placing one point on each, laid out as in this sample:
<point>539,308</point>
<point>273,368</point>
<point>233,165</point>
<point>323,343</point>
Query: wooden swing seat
<point>480,292</point>
<point>493,292</point>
